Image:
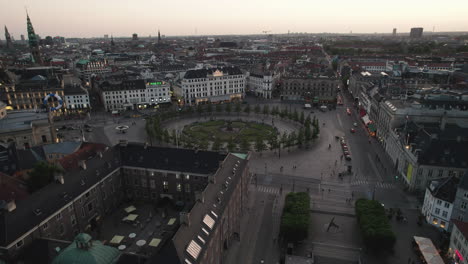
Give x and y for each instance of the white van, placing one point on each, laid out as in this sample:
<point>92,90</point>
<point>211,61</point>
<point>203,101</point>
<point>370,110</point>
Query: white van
<point>323,108</point>
<point>307,106</point>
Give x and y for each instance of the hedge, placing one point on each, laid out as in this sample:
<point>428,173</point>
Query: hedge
<point>374,225</point>
<point>296,217</point>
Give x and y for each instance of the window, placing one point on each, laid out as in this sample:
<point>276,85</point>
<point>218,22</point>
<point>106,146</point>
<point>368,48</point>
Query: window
<point>444,214</point>
<point>87,195</point>
<point>70,208</point>
<point>45,226</point>
<point>19,244</point>
<point>83,214</point>
<point>446,205</point>
<point>440,173</point>
<point>434,221</point>
<point>460,218</point>
<point>165,186</point>
<point>465,195</point>
<point>439,202</point>
<point>104,194</point>
<point>135,182</point>
<point>442,224</point>
<point>177,176</point>
<point>44,139</point>
<point>437,211</point>
<point>179,187</point>
<point>187,177</point>
<point>143,182</point>
<point>152,184</point>
<point>90,207</point>
<point>61,229</point>
<point>73,220</point>
<point>58,216</point>
<point>187,187</point>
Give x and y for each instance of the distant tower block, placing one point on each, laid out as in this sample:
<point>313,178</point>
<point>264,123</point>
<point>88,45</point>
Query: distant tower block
<point>135,36</point>
<point>394,32</point>
<point>22,38</point>
<point>106,36</point>
<point>33,42</point>
<point>7,38</point>
<point>416,32</point>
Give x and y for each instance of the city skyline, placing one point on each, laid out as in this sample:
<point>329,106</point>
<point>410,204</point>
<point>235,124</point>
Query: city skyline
<point>121,19</point>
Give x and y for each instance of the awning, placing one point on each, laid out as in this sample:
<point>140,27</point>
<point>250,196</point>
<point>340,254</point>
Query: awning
<point>130,217</point>
<point>116,239</point>
<point>155,242</point>
<point>371,127</point>
<point>171,221</point>
<point>130,209</point>
<point>366,119</point>
<point>429,252</point>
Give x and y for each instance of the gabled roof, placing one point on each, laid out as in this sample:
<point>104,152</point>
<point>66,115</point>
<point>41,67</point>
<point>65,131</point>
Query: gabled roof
<point>445,189</point>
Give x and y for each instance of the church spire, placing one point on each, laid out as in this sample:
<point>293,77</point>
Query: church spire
<point>159,37</point>
<point>112,41</point>
<point>7,38</point>
<point>33,42</point>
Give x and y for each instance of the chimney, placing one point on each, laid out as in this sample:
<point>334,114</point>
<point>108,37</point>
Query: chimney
<point>11,206</point>
<point>200,197</point>
<point>185,218</point>
<point>443,121</point>
<point>82,164</point>
<point>123,143</point>
<point>59,177</point>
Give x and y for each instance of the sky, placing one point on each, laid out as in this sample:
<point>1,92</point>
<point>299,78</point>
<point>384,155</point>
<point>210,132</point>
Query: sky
<point>122,18</point>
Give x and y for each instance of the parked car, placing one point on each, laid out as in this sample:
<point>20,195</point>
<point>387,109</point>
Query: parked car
<point>348,157</point>
<point>353,130</point>
<point>348,111</point>
<point>355,124</point>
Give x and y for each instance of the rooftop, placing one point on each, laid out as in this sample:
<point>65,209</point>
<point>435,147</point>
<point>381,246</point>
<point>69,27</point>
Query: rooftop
<point>444,189</point>
<point>21,120</point>
<point>203,73</point>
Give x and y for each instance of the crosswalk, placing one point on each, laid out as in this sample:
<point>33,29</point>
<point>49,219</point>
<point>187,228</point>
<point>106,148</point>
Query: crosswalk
<point>382,185</point>
<point>268,189</point>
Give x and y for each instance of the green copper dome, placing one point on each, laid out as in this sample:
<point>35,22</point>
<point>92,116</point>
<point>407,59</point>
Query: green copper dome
<point>86,251</point>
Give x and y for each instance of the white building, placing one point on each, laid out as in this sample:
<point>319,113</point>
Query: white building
<point>85,68</point>
<point>222,84</point>
<point>438,202</point>
<point>76,97</point>
<point>261,84</point>
<point>458,248</point>
<point>132,94</point>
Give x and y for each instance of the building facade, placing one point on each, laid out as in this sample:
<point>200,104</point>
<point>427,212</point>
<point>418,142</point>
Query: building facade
<point>438,202</point>
<point>458,248</point>
<point>416,32</point>
<point>213,85</point>
<point>261,84</point>
<point>317,89</point>
<point>86,68</point>
<point>134,94</point>
<point>79,198</point>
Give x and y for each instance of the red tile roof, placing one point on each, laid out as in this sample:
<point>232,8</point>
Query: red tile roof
<point>12,188</point>
<point>462,226</point>
<point>86,151</point>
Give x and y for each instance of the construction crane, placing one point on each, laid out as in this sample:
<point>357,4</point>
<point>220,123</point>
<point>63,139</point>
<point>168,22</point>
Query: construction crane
<point>266,31</point>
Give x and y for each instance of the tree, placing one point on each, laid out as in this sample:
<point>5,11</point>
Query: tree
<point>295,115</point>
<point>237,108</point>
<point>199,109</point>
<point>307,133</point>
<point>274,111</point>
<point>231,146</point>
<point>228,108</point>
<point>166,136</point>
<point>292,139</point>
<point>216,146</point>
<point>266,110</point>
<point>295,220</point>
<point>260,145</point>
<point>189,110</point>
<point>308,121</point>
<point>218,108</point>
<point>301,119</point>
<point>300,137</point>
<point>203,145</point>
<point>273,142</point>
<point>174,136</point>
<point>209,108</point>
<point>41,175</point>
<point>245,144</point>
<point>247,109</point>
<point>257,109</point>
<point>284,138</point>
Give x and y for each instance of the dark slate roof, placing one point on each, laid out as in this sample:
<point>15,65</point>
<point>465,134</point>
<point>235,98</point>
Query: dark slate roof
<point>464,181</point>
<point>445,189</point>
<point>203,73</point>
<point>55,196</point>
<point>172,159</point>
<point>167,254</point>
<point>27,158</point>
<point>123,85</point>
<point>462,226</point>
<point>72,89</point>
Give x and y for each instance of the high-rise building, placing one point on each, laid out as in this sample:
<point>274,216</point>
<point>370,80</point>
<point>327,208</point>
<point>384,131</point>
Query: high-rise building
<point>106,36</point>
<point>7,38</point>
<point>416,32</point>
<point>22,38</point>
<point>33,42</point>
<point>394,32</point>
<point>135,36</point>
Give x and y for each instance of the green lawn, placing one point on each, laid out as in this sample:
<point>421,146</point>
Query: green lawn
<point>216,129</point>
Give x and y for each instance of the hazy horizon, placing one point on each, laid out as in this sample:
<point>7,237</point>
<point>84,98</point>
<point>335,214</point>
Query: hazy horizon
<point>121,18</point>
